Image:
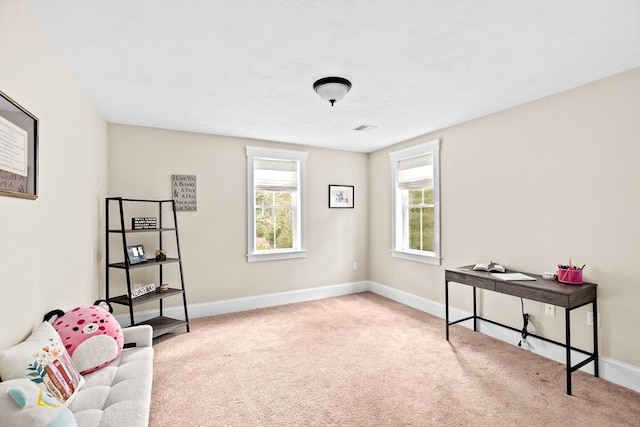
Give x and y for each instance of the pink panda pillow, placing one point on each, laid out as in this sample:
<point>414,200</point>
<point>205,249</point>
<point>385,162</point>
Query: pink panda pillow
<point>90,334</point>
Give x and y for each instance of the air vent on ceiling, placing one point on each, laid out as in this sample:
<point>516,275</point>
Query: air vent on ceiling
<point>365,128</point>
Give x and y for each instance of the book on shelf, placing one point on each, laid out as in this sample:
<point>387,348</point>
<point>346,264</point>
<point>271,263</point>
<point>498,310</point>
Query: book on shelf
<point>511,276</point>
<point>492,267</point>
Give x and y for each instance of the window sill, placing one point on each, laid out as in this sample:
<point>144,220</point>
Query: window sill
<point>274,256</point>
<point>416,256</point>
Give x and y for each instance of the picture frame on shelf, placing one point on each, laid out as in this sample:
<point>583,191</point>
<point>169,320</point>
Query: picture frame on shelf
<point>136,254</point>
<point>341,196</point>
<point>18,150</point>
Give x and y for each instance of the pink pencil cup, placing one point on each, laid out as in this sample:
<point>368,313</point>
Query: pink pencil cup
<point>570,276</point>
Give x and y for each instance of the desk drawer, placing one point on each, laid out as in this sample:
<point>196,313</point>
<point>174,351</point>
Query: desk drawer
<point>532,293</point>
<point>469,280</point>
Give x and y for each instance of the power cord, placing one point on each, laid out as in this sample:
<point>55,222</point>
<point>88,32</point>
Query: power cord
<point>525,321</point>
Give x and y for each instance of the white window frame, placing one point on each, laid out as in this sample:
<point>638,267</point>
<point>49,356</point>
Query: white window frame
<point>299,244</point>
<point>400,246</point>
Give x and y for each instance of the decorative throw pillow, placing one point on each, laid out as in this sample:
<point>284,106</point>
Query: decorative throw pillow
<point>91,335</point>
<point>22,403</point>
<point>43,359</point>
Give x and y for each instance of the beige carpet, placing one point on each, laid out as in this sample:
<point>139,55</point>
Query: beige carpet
<point>363,360</point>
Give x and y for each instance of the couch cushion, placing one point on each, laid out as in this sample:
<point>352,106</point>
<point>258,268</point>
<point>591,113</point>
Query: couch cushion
<point>23,404</point>
<point>118,394</point>
<point>43,359</point>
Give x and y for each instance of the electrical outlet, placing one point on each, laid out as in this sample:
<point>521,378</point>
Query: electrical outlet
<point>590,318</point>
<point>355,265</point>
<point>550,309</point>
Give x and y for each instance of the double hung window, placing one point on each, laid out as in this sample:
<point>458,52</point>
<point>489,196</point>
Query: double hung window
<point>275,196</point>
<point>416,202</point>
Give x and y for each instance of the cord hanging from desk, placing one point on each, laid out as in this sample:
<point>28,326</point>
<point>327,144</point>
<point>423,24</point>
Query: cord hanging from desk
<point>525,321</point>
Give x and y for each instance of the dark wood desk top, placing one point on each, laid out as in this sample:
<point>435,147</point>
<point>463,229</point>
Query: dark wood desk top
<point>547,291</point>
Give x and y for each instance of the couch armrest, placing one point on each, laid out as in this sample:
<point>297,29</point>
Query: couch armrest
<point>138,336</point>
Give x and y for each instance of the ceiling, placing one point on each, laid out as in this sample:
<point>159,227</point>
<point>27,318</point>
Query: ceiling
<point>246,68</point>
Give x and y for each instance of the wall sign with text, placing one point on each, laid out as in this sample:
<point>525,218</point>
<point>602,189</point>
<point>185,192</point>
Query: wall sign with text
<point>183,188</point>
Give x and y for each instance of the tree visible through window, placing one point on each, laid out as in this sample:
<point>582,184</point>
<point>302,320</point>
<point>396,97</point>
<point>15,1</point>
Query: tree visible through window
<point>420,225</point>
<point>275,193</point>
<point>274,220</point>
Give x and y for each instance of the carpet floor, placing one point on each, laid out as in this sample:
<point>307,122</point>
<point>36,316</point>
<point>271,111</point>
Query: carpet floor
<point>363,360</point>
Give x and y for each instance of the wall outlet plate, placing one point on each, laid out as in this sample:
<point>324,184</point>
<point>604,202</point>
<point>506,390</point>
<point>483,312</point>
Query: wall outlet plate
<point>550,309</point>
<point>590,318</point>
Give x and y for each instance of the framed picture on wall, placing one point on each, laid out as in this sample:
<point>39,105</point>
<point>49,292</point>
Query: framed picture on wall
<point>341,196</point>
<point>18,150</point>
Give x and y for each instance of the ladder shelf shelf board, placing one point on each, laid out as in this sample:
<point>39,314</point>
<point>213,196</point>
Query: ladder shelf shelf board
<point>142,230</point>
<point>143,299</point>
<point>147,263</point>
<point>163,325</point>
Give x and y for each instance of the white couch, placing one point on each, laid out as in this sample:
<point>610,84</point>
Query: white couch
<point>119,394</point>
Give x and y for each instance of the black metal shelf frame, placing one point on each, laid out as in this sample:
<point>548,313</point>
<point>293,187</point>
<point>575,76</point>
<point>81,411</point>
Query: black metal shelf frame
<point>161,323</point>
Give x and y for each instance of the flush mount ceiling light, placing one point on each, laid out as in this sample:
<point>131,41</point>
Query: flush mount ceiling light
<point>332,89</point>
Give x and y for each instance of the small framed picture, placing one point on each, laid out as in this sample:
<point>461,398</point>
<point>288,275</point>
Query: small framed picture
<point>136,254</point>
<point>341,196</point>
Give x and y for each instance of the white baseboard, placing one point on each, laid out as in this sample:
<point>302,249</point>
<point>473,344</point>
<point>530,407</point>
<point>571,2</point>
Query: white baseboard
<point>249,303</point>
<point>611,370</point>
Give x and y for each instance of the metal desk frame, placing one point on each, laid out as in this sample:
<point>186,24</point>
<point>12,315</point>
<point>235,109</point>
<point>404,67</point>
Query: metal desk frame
<point>569,297</point>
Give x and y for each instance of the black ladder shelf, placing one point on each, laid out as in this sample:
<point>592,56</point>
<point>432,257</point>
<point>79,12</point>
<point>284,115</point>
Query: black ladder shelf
<point>161,324</point>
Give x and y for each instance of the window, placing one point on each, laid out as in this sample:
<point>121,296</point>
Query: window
<point>416,202</point>
<point>275,196</point>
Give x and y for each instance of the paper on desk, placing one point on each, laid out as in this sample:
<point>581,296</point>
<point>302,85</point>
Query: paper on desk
<point>512,276</point>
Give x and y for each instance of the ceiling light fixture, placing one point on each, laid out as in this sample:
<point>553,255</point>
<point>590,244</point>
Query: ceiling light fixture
<point>332,89</point>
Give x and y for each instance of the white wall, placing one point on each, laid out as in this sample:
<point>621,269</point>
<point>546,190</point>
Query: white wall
<point>531,187</point>
<point>213,239</point>
<point>50,248</point>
